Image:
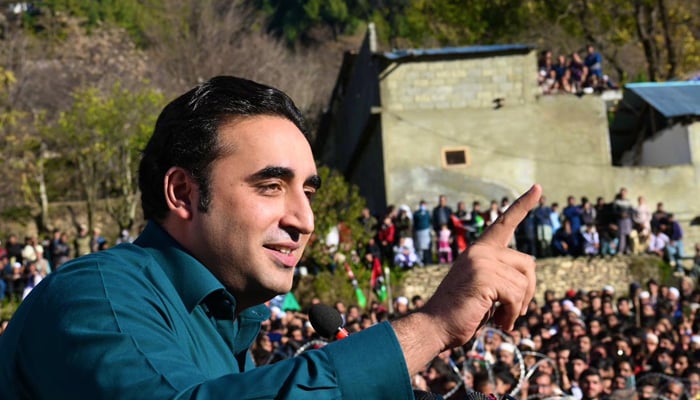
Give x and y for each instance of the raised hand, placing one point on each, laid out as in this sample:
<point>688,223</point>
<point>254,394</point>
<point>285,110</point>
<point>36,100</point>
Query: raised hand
<point>488,273</point>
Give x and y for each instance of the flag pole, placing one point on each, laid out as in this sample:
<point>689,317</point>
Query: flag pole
<point>387,280</point>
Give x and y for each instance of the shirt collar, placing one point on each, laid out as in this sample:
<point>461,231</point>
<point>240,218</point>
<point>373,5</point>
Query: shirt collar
<point>192,280</point>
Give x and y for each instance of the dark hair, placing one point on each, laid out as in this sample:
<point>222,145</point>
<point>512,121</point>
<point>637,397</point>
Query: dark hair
<point>589,372</point>
<point>186,131</point>
<point>577,354</point>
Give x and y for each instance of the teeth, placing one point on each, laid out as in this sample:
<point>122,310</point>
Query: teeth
<point>283,250</point>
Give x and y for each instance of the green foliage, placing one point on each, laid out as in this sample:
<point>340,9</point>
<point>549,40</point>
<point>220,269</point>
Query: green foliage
<point>328,287</point>
<point>98,126</point>
<point>18,149</point>
<point>331,287</point>
<point>7,309</point>
<point>666,271</point>
<point>336,203</point>
<point>618,26</point>
<point>651,267</point>
<point>294,19</point>
<point>102,134</point>
<point>418,22</point>
<point>452,22</point>
<point>132,15</point>
<point>17,213</point>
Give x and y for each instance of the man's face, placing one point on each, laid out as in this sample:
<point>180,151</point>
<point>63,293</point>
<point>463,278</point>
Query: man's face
<point>626,370</point>
<point>563,356</point>
<point>623,348</point>
<point>260,217</point>
<point>681,364</point>
<point>556,308</point>
<point>547,318</point>
<point>584,343</point>
<point>665,359</point>
<point>544,386</point>
<point>694,384</point>
<point>673,391</point>
<point>578,331</point>
<point>578,366</point>
<point>506,357</point>
<point>623,307</point>
<point>608,308</point>
<point>591,386</point>
<point>647,392</point>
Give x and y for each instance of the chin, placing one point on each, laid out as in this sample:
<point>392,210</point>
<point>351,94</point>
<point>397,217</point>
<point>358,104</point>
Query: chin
<point>279,287</point>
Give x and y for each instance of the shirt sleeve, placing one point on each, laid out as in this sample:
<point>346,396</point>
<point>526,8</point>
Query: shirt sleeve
<point>90,345</point>
<point>366,365</point>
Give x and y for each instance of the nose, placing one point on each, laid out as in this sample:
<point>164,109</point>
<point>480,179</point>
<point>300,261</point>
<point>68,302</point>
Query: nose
<point>298,216</point>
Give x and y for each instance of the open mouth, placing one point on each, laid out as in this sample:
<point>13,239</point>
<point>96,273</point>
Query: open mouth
<point>283,250</point>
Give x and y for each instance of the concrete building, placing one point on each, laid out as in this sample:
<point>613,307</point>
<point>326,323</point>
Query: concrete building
<point>470,123</point>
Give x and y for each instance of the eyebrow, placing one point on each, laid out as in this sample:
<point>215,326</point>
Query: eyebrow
<point>284,173</point>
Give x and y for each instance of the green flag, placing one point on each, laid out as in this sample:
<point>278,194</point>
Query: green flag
<point>290,303</point>
<point>361,299</point>
<point>381,293</point>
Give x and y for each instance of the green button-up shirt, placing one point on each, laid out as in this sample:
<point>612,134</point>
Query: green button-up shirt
<point>131,322</point>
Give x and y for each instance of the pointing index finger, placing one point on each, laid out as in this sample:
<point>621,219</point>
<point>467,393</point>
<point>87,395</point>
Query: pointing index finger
<point>504,227</point>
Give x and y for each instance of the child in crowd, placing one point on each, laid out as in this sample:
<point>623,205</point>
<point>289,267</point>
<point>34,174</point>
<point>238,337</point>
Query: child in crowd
<point>444,241</point>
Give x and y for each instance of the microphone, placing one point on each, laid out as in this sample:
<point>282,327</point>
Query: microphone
<point>327,321</point>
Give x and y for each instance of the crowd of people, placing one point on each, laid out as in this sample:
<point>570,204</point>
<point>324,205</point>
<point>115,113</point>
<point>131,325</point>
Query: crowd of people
<point>573,73</point>
<point>581,228</point>
<point>604,228</point>
<point>644,344</point>
<point>406,238</point>
<point>593,345</point>
<point>24,265</point>
<point>596,345</point>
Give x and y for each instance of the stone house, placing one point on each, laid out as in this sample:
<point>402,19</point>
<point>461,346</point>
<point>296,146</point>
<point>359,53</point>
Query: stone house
<point>470,123</point>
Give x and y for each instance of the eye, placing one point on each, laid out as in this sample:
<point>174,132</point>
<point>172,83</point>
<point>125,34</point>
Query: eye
<point>270,188</point>
<point>310,193</point>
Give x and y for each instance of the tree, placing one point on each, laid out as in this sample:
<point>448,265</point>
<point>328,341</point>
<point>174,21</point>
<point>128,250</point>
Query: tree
<point>652,39</point>
<point>48,67</point>
<point>193,41</point>
<point>296,20</point>
<point>16,146</point>
<point>102,135</point>
<point>130,15</point>
<point>476,22</point>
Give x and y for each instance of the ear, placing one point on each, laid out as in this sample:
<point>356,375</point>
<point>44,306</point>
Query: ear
<point>180,192</point>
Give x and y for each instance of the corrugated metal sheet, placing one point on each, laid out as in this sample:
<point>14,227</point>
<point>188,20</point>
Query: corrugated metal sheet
<point>671,99</point>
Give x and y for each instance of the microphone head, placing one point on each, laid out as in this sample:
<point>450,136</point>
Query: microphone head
<point>325,319</point>
<point>473,395</point>
<point>421,395</point>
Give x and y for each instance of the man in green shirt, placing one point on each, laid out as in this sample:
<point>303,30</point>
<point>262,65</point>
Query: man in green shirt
<point>226,181</point>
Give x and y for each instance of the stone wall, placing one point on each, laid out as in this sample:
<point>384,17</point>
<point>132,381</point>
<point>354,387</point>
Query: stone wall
<point>471,83</point>
<point>559,275</point>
